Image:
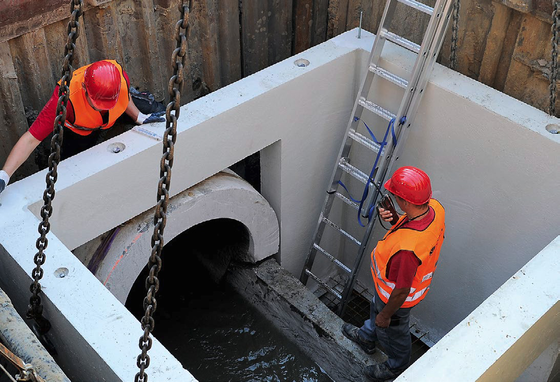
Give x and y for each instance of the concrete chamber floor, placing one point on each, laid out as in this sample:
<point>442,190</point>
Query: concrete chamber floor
<point>358,310</point>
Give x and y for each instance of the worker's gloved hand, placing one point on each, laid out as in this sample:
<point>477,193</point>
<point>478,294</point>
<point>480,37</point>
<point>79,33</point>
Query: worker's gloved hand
<point>150,118</point>
<point>4,179</point>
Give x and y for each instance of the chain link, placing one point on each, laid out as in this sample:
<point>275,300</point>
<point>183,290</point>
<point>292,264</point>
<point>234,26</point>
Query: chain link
<point>454,34</point>
<point>35,308</point>
<point>172,113</point>
<point>554,59</point>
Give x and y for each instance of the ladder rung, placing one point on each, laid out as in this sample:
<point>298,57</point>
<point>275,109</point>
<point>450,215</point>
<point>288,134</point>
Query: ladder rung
<point>332,258</point>
<point>383,73</point>
<point>364,140</point>
<point>400,41</point>
<point>323,284</point>
<point>347,201</point>
<point>355,172</point>
<point>384,113</point>
<point>420,6</point>
<point>343,232</point>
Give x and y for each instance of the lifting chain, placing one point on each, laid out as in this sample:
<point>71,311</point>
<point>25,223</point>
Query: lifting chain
<point>554,59</point>
<point>35,308</point>
<point>172,113</point>
<point>454,34</point>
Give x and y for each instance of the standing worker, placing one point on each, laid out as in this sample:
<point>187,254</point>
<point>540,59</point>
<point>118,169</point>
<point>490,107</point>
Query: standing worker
<point>98,95</point>
<point>402,266</point>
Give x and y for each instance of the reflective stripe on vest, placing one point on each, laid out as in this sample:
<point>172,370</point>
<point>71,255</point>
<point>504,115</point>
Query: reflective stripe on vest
<point>87,119</point>
<point>426,246</point>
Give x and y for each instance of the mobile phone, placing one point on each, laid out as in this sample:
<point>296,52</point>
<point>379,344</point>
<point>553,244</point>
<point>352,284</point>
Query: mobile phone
<point>387,204</point>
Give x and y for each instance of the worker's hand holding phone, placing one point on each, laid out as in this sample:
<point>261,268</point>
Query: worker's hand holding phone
<point>387,211</point>
<point>386,215</point>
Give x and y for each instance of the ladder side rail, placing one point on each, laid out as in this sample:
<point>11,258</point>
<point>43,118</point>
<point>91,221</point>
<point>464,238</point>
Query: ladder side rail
<point>333,183</point>
<point>423,81</point>
<point>378,45</point>
<point>428,52</point>
<point>333,186</point>
<point>435,33</point>
<point>349,285</point>
<point>410,95</point>
<point>345,148</point>
<point>379,178</point>
<point>424,57</point>
<point>386,19</point>
<point>421,72</point>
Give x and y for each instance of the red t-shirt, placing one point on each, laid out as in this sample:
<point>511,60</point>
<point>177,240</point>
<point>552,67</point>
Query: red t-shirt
<point>402,267</point>
<point>44,124</point>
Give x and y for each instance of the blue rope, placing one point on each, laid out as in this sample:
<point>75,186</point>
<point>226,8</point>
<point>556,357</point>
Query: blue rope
<point>356,119</point>
<point>366,188</point>
<point>390,127</point>
<point>348,192</point>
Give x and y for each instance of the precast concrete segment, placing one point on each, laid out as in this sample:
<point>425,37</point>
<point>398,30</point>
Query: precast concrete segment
<point>222,196</point>
<point>236,121</point>
<point>303,318</point>
<point>99,189</point>
<point>489,156</point>
<point>505,334</point>
<point>95,336</point>
<point>21,341</point>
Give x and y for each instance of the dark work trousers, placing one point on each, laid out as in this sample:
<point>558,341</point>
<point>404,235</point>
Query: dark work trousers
<point>73,143</point>
<point>395,339</point>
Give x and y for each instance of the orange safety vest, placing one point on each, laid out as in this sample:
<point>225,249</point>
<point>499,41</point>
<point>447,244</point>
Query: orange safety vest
<point>87,119</point>
<point>426,246</point>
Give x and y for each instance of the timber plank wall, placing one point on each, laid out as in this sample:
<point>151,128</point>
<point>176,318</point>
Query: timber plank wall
<point>504,44</point>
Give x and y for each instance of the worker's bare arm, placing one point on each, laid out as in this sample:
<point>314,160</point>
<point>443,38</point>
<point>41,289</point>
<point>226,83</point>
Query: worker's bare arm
<point>131,110</point>
<point>20,152</point>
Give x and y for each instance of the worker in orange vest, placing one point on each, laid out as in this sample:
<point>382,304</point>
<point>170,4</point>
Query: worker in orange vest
<point>98,96</point>
<point>402,265</point>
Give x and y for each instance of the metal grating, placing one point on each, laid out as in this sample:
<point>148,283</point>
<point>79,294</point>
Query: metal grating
<point>358,309</point>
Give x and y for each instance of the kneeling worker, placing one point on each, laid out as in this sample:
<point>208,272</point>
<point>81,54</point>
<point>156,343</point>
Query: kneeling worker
<point>402,266</point>
<point>98,95</point>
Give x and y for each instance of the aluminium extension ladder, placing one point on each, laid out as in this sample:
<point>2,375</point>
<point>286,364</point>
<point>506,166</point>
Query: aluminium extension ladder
<point>401,122</point>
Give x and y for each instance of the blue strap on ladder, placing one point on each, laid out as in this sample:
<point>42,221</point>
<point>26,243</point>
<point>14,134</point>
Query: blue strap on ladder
<point>370,178</point>
<point>372,203</point>
<point>390,127</point>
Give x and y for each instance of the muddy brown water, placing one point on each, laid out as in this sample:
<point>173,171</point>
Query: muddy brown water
<point>215,333</point>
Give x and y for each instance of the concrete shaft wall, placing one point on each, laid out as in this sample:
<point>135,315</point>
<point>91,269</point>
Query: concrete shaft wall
<point>485,152</point>
<point>95,194</point>
<point>503,43</point>
<point>500,339</point>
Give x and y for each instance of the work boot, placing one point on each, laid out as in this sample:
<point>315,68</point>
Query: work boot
<point>352,333</point>
<point>381,372</point>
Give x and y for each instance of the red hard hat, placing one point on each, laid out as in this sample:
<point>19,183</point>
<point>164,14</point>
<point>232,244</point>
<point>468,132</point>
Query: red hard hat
<point>411,184</point>
<point>103,84</point>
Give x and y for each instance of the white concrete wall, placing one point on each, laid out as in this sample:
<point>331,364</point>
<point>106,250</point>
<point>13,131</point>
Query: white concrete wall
<point>297,122</point>
<point>492,165</point>
<point>505,334</point>
<point>489,156</point>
